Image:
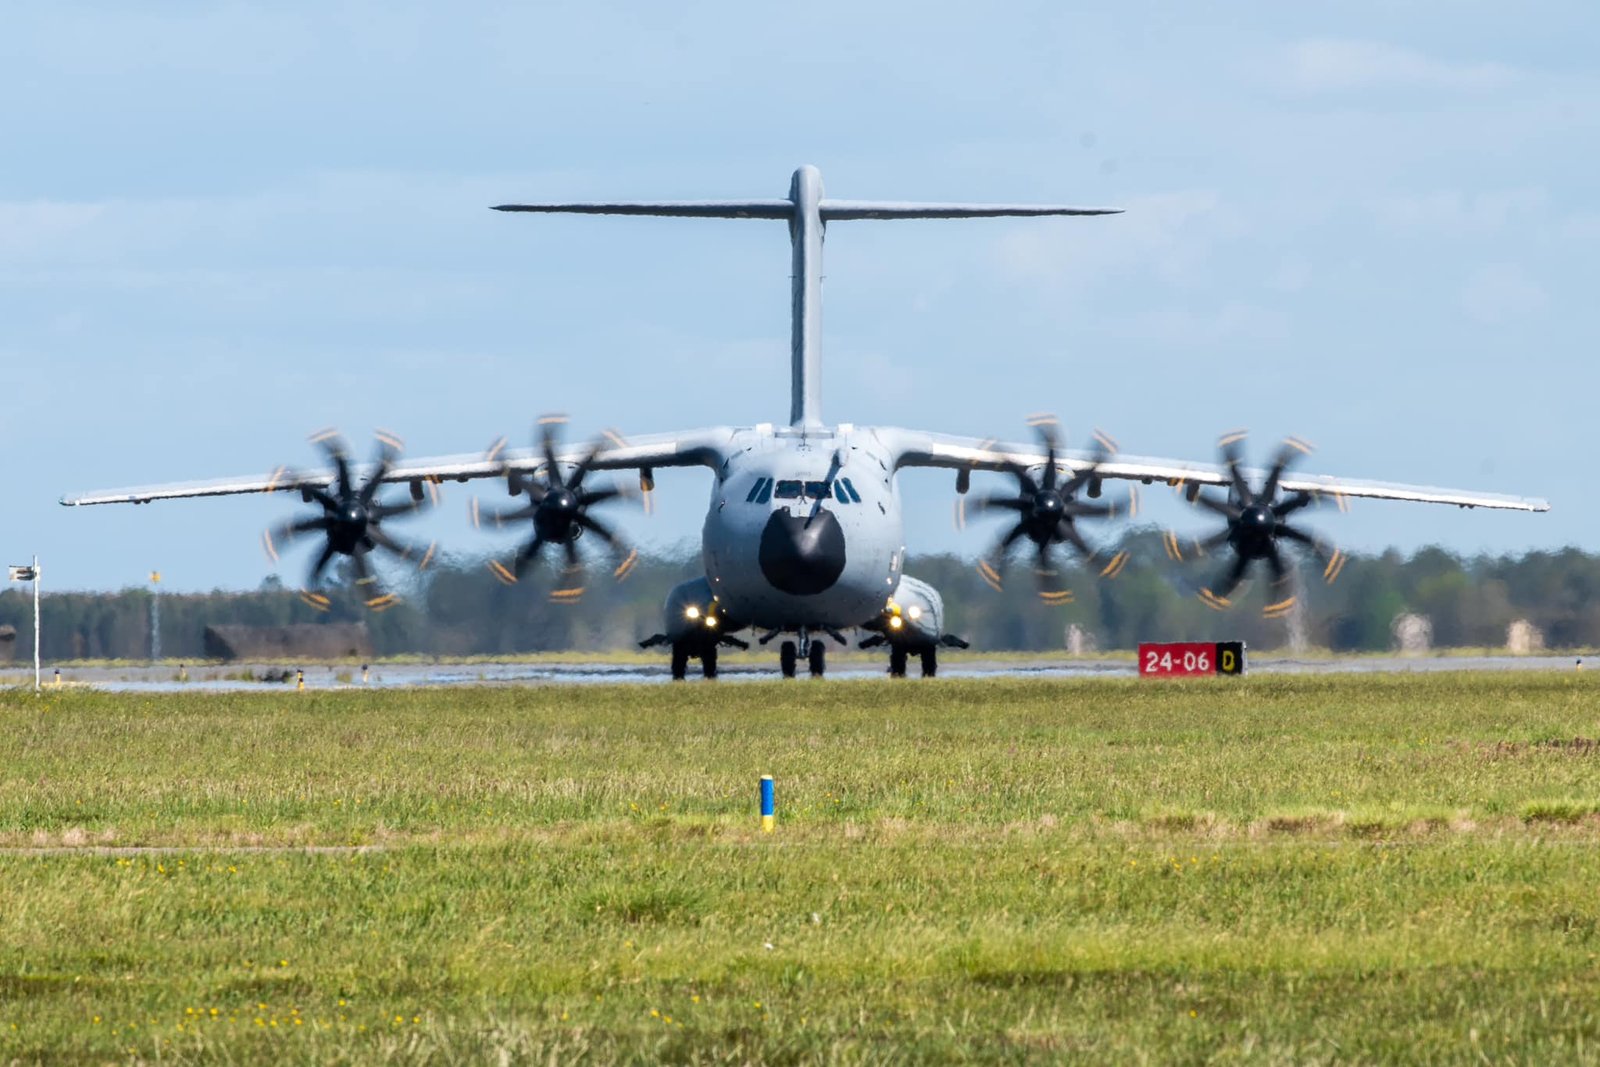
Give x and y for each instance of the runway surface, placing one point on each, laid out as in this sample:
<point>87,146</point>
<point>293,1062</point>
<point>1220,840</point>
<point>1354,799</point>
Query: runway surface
<point>265,678</point>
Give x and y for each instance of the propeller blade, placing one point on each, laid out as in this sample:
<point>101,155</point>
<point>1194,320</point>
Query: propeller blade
<point>1069,533</point>
<point>1230,579</point>
<point>320,565</point>
<point>552,473</point>
<point>499,517</point>
<point>596,527</point>
<point>1002,548</point>
<point>995,502</point>
<point>1229,444</point>
<point>322,497</point>
<point>583,467</point>
<point>1029,486</point>
<point>379,512</point>
<point>527,554</point>
<point>333,445</point>
<point>363,569</point>
<point>589,498</point>
<point>404,550</point>
<point>1292,505</point>
<point>287,533</point>
<point>1276,564</point>
<point>1226,509</point>
<point>1332,559</point>
<point>1049,582</point>
<point>387,454</point>
<point>1290,450</point>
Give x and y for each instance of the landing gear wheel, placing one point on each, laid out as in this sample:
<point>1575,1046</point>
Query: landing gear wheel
<point>897,663</point>
<point>930,662</point>
<point>787,657</point>
<point>680,663</point>
<point>708,662</point>
<point>818,659</point>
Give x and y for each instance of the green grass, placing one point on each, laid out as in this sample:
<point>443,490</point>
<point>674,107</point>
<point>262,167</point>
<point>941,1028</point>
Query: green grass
<point>1289,869</point>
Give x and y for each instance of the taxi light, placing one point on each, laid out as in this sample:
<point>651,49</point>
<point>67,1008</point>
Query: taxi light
<point>915,612</point>
<point>691,612</point>
<point>711,622</point>
<point>895,622</point>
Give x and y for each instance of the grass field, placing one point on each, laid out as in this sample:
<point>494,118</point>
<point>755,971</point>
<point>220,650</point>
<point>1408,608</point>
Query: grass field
<point>1288,869</point>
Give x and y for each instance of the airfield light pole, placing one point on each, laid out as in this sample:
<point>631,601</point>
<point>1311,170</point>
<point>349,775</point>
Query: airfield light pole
<point>31,574</point>
<point>155,616</point>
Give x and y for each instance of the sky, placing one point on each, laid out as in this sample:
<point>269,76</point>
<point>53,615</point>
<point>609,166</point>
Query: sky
<point>226,226</point>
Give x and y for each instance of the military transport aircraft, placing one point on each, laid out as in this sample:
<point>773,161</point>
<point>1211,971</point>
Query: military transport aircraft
<point>804,535</point>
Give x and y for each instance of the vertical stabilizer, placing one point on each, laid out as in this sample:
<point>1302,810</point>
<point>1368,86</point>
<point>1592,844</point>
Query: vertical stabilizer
<point>807,212</point>
<point>805,316</point>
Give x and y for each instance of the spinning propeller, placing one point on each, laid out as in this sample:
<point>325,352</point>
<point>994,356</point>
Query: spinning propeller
<point>558,508</point>
<point>351,519</point>
<point>1047,511</point>
<point>1255,522</point>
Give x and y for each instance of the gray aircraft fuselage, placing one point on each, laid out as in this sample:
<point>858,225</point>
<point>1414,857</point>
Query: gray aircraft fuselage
<point>804,528</point>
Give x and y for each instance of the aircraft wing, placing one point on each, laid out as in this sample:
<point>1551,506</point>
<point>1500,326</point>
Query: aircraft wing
<point>919,449</point>
<point>688,449</point>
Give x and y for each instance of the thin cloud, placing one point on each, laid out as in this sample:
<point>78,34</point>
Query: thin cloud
<point>1329,65</point>
<point>1501,292</point>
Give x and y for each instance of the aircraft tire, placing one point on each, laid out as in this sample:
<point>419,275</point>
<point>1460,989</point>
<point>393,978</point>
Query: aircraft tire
<point>897,663</point>
<point>930,662</point>
<point>788,656</point>
<point>708,662</point>
<point>818,659</point>
<point>680,663</point>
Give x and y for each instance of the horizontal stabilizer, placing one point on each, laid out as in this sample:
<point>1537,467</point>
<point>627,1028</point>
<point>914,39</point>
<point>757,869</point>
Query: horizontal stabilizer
<point>882,209</point>
<point>687,209</point>
<point>831,210</point>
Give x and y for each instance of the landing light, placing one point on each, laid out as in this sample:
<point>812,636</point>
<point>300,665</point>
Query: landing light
<point>711,622</point>
<point>895,622</point>
<point>915,612</point>
<point>691,612</point>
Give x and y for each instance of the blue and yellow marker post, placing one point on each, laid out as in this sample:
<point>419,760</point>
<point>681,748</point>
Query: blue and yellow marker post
<point>769,811</point>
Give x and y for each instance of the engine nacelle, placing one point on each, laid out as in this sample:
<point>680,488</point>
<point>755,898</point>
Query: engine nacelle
<point>692,612</point>
<point>914,616</point>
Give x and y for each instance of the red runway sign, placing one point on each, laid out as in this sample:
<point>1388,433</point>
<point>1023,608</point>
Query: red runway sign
<point>1183,659</point>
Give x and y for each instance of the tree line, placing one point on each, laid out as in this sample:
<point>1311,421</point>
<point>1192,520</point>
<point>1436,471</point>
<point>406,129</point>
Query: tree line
<point>459,608</point>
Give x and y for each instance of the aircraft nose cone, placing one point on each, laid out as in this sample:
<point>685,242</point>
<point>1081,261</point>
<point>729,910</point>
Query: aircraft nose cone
<point>1257,519</point>
<point>800,558</point>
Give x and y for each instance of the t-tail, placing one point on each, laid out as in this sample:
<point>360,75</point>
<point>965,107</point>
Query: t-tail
<point>807,212</point>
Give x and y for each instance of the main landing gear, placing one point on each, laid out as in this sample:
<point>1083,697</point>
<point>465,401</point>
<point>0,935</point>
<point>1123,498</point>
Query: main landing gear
<point>898,658</point>
<point>694,647</point>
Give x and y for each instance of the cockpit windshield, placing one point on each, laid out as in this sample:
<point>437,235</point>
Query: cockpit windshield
<point>795,489</point>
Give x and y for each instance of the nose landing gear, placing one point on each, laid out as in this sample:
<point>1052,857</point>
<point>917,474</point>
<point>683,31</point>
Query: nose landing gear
<point>807,648</point>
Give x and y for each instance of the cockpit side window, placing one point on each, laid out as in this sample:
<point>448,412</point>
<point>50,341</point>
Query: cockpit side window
<point>766,491</point>
<point>755,490</point>
<point>839,494</point>
<point>855,497</point>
